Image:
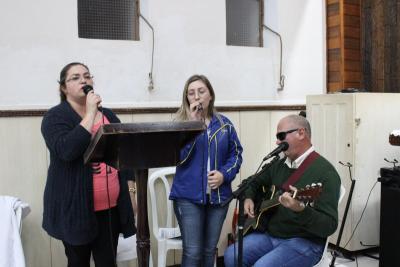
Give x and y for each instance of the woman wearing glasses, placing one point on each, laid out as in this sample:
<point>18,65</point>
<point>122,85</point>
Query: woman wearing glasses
<point>86,206</point>
<point>203,177</point>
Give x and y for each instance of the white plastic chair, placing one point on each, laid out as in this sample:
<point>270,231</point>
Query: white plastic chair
<point>164,235</point>
<point>324,261</point>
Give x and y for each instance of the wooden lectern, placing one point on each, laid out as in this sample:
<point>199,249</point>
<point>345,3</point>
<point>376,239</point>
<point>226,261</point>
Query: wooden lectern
<point>138,147</point>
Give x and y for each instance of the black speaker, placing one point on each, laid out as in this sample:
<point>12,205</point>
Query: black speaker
<point>389,254</point>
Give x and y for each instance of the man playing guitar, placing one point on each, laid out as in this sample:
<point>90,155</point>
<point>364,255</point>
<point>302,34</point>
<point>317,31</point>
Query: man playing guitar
<point>294,234</point>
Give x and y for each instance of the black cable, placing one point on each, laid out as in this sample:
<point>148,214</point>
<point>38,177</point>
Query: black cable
<point>235,259</point>
<point>110,221</point>
<point>109,209</point>
<point>361,216</point>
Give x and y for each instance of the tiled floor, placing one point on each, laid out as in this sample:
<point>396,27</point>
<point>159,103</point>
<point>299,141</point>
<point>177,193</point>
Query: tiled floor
<point>361,261</point>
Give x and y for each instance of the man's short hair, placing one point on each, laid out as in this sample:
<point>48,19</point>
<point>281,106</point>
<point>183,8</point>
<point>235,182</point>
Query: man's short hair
<point>301,122</point>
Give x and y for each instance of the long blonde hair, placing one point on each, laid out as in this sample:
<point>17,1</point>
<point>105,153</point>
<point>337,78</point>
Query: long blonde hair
<point>183,112</point>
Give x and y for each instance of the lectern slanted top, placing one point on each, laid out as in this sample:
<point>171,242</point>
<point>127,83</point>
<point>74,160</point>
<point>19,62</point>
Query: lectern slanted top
<point>141,145</point>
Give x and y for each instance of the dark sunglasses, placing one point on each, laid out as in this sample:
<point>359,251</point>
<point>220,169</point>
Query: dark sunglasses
<point>282,135</point>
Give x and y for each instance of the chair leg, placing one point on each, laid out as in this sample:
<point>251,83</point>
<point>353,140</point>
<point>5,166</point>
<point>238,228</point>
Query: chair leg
<point>162,255</point>
<point>216,257</point>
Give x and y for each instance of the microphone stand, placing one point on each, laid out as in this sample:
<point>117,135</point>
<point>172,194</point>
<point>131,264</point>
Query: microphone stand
<point>239,195</point>
<point>336,249</point>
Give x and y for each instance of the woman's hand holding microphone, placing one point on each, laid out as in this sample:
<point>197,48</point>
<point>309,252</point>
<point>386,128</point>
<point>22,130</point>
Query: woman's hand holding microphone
<point>196,111</point>
<point>93,104</point>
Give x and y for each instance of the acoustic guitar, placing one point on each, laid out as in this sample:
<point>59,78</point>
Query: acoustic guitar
<point>305,195</point>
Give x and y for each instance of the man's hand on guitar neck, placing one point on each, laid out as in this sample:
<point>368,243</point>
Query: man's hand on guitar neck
<point>249,207</point>
<point>287,200</point>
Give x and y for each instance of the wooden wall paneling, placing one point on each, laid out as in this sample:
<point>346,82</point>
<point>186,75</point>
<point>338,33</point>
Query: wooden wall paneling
<point>334,20</point>
<point>391,65</point>
<point>351,84</point>
<point>372,45</point>
<point>255,139</point>
<point>58,258</point>
<point>351,54</point>
<point>24,175</point>
<point>333,32</point>
<point>343,44</point>
<point>352,43</point>
<point>152,117</point>
<point>332,9</point>
<point>335,76</point>
<point>334,65</point>
<point>366,45</point>
<point>351,21</point>
<point>335,86</point>
<point>334,40</point>
<point>354,2</point>
<point>353,65</point>
<point>125,118</point>
<point>351,32</point>
<point>352,76</point>
<point>352,9</point>
<point>23,165</point>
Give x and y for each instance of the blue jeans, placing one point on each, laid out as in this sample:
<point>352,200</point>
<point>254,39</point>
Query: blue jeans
<point>200,228</point>
<point>261,250</point>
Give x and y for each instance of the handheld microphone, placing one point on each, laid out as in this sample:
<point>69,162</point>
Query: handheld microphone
<point>199,107</point>
<point>281,147</point>
<point>86,89</point>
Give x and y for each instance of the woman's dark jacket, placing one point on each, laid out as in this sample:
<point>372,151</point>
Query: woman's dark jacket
<point>68,212</point>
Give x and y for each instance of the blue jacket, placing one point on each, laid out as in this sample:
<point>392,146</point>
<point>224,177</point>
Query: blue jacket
<point>221,142</point>
<point>68,212</point>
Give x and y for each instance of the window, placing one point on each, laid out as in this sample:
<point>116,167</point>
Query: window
<point>108,19</point>
<point>244,20</point>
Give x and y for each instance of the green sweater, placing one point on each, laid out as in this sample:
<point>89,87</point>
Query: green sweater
<point>315,222</point>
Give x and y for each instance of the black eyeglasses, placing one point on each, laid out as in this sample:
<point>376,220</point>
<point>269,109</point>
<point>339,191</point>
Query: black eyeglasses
<point>282,135</point>
<point>77,78</point>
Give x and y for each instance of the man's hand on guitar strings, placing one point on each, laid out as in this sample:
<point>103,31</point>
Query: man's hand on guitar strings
<point>287,200</point>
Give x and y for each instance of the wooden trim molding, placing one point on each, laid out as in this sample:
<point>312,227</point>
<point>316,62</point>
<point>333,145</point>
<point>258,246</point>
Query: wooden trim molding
<point>157,110</point>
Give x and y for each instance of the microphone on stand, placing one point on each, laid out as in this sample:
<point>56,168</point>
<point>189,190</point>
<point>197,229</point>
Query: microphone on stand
<point>281,147</point>
<point>86,89</point>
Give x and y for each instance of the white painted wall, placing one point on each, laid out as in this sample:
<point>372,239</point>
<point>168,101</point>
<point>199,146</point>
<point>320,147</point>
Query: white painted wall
<point>37,38</point>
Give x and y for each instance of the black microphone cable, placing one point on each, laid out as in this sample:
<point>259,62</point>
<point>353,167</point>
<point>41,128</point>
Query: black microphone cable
<point>109,206</point>
<point>86,89</point>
